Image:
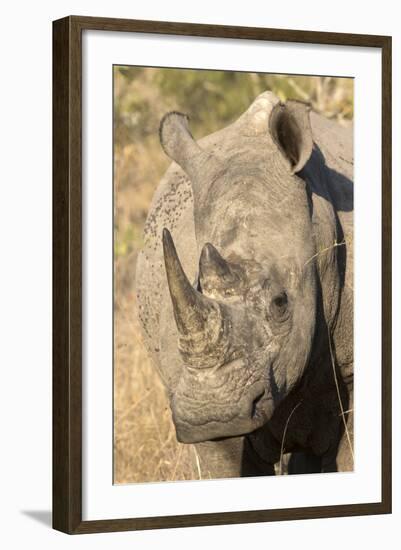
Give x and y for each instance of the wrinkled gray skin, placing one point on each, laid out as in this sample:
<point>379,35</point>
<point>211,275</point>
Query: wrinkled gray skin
<point>245,289</point>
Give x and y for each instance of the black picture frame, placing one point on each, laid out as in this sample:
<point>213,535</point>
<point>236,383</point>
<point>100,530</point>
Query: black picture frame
<point>67,273</point>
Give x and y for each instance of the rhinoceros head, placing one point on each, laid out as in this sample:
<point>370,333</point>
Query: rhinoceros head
<point>247,323</point>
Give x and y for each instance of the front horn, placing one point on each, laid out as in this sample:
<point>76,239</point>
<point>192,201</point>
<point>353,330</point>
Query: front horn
<point>192,310</point>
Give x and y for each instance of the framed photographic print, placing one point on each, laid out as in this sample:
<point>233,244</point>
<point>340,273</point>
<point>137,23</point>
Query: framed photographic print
<point>221,274</point>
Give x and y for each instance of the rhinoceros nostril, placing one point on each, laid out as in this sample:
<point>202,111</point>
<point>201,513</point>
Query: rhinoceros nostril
<point>255,403</point>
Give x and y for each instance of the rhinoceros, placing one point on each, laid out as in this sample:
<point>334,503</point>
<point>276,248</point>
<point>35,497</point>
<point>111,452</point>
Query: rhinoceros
<point>245,293</point>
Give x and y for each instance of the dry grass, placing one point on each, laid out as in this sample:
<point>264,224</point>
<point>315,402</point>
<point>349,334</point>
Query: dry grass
<point>145,445</point>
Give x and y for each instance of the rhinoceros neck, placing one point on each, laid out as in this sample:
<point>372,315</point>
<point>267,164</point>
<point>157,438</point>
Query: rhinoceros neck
<point>332,223</point>
<point>328,234</point>
<point>332,161</point>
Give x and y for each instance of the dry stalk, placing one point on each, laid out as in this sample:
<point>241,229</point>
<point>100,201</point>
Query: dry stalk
<point>177,461</point>
<point>197,462</point>
<point>334,245</point>
<point>284,435</point>
<point>342,413</point>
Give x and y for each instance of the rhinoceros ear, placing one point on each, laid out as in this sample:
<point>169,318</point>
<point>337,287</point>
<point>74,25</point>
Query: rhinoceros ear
<point>180,146</point>
<point>290,128</point>
<point>178,143</point>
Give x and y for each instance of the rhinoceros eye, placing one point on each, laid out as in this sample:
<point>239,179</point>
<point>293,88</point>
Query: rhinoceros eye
<point>281,301</point>
<point>279,307</point>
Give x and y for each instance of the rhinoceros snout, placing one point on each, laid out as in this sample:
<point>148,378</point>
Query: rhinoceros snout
<point>221,391</point>
<point>199,420</point>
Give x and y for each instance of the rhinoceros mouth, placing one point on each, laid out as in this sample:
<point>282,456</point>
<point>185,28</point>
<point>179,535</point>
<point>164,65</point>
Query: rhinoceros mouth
<point>249,414</point>
<point>186,433</point>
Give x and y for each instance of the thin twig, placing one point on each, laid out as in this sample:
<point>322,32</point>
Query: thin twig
<point>283,438</point>
<point>177,461</point>
<point>197,462</point>
<point>342,413</point>
<point>334,245</point>
<point>156,425</point>
<point>346,412</point>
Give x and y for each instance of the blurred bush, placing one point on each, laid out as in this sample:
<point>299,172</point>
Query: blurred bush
<point>214,98</point>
